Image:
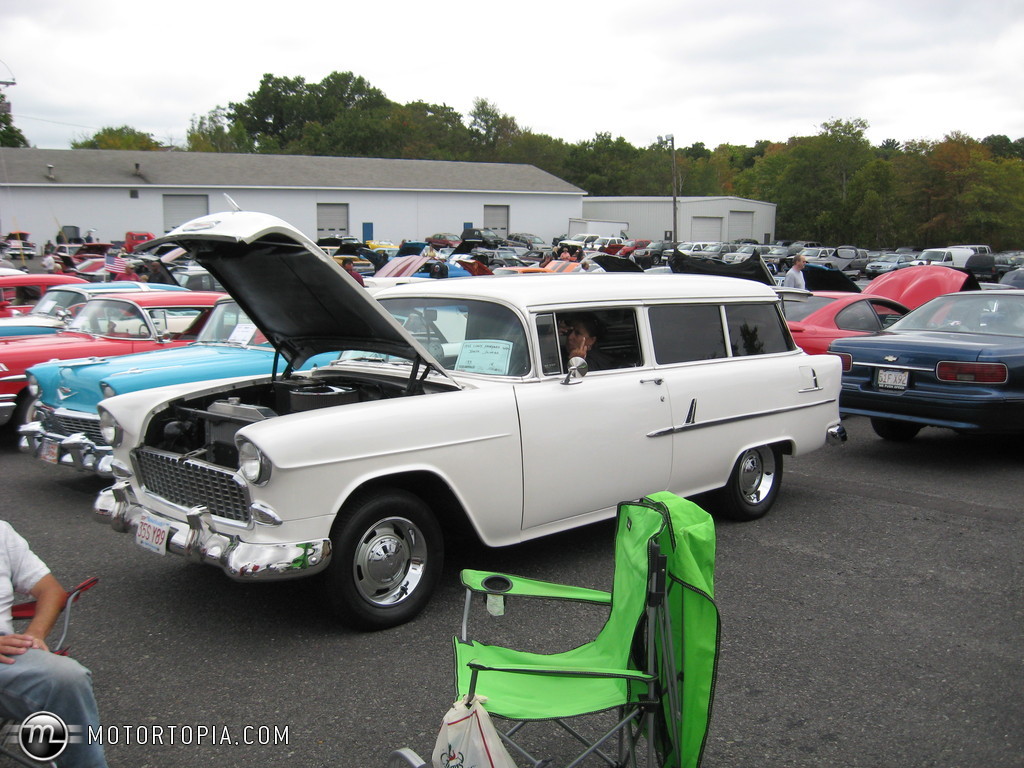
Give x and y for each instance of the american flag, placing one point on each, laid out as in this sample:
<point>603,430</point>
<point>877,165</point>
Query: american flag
<point>114,263</point>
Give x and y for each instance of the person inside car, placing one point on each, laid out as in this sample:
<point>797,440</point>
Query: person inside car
<point>582,332</point>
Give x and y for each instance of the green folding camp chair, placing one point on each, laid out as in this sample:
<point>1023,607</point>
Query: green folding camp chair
<point>653,662</point>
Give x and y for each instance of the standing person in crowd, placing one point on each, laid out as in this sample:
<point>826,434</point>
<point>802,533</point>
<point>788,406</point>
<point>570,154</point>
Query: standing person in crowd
<point>795,275</point>
<point>348,264</point>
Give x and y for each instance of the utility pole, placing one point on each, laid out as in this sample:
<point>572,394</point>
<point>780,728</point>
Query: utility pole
<point>675,191</point>
<point>5,105</point>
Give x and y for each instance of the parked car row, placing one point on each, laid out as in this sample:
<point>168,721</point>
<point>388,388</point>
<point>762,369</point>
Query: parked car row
<point>248,475</point>
<point>226,451</point>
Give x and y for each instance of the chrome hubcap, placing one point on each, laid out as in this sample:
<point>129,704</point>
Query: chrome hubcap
<point>757,474</point>
<point>389,561</point>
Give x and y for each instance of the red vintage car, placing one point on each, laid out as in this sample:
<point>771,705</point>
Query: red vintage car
<point>108,325</point>
<point>19,293</point>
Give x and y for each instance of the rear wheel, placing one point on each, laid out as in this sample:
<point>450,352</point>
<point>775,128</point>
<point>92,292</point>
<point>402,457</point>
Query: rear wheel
<point>388,554</point>
<point>897,431</point>
<point>753,485</point>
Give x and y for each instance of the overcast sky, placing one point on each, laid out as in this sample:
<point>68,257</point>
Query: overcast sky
<point>714,72</point>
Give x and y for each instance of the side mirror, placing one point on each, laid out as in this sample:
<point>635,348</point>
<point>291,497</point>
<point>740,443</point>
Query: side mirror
<point>577,370</point>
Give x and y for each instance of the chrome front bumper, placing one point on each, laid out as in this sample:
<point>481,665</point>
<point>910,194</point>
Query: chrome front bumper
<point>77,451</point>
<point>199,539</point>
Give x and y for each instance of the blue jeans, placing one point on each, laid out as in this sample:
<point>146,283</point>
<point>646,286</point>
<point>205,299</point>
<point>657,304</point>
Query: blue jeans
<point>43,681</point>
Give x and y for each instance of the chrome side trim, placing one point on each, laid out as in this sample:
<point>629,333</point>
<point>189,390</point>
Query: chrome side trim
<point>732,419</point>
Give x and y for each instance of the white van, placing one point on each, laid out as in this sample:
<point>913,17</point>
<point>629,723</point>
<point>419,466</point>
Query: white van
<point>950,256</point>
<point>974,248</point>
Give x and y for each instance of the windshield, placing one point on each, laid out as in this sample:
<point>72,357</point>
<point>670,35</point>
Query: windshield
<point>106,317</point>
<point>466,335</point>
<point>56,299</point>
<point>968,313</point>
<point>228,324</point>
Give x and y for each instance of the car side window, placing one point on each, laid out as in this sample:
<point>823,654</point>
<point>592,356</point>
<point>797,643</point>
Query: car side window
<point>859,316</point>
<point>617,345</point>
<point>756,329</point>
<point>685,333</point>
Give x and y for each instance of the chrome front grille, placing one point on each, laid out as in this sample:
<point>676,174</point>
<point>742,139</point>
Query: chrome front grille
<point>191,483</point>
<point>63,422</point>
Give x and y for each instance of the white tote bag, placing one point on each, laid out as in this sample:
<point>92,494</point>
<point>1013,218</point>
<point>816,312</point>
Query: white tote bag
<point>468,739</point>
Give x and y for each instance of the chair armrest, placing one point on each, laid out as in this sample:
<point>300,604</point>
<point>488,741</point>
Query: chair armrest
<point>491,583</point>
<point>531,669</point>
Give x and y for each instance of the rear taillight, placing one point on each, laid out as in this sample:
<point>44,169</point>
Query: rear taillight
<point>972,373</point>
<point>847,360</point>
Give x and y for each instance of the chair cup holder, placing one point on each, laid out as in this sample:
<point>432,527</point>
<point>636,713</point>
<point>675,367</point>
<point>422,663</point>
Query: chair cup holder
<point>496,584</point>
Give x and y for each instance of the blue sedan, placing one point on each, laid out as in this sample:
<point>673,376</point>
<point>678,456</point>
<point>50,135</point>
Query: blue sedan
<point>955,362</point>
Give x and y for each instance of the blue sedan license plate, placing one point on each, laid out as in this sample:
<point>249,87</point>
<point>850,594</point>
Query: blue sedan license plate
<point>889,379</point>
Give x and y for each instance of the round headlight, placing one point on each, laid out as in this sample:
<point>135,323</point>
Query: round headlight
<point>254,466</point>
<point>33,385</point>
<point>110,429</point>
<point>107,390</point>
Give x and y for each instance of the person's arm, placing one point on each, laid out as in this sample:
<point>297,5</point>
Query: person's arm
<point>50,597</point>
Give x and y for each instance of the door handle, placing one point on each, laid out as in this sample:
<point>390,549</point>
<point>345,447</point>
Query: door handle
<point>651,381</point>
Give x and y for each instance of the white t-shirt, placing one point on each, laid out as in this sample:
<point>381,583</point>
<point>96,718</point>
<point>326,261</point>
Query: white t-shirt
<point>20,570</point>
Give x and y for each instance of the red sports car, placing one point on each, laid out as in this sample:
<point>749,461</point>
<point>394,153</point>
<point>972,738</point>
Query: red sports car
<point>108,325</point>
<point>816,319</point>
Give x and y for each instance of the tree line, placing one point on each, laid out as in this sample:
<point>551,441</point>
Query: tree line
<point>835,186</point>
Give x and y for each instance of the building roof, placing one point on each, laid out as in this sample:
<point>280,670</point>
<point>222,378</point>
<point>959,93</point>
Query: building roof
<point>105,167</point>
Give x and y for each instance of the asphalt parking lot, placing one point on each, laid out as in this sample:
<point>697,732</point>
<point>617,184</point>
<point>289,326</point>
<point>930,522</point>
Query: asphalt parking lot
<point>874,618</point>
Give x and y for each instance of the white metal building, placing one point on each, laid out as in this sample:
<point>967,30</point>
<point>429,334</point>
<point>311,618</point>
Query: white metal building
<point>112,192</point>
<point>715,219</point>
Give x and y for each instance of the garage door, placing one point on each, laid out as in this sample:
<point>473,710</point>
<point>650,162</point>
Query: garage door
<point>496,218</point>
<point>706,228</point>
<point>331,219</point>
<point>741,224</point>
<point>181,208</point>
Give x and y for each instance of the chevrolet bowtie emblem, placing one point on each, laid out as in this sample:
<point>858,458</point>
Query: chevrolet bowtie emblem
<point>891,358</point>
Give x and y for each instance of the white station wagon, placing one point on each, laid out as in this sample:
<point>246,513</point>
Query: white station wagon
<point>452,405</point>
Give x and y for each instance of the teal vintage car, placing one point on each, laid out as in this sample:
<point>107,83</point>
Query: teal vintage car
<point>64,426</point>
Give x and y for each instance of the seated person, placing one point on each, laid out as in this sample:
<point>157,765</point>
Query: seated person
<point>31,678</point>
<point>582,332</point>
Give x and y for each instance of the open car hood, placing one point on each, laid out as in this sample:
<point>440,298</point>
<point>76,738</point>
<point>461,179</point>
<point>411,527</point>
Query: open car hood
<point>296,294</point>
<point>752,268</point>
<point>913,286</point>
<point>821,278</point>
<point>401,266</point>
